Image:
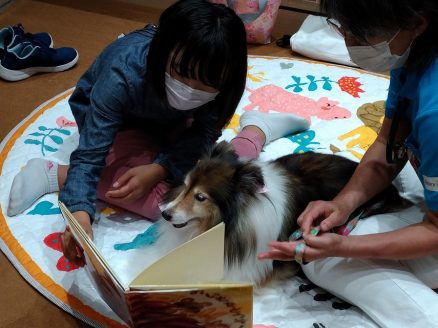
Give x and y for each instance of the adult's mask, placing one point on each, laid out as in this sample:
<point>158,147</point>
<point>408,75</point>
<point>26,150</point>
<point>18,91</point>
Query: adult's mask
<point>378,58</point>
<point>181,96</point>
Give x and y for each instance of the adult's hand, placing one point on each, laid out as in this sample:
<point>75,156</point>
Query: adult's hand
<point>317,247</point>
<point>326,214</point>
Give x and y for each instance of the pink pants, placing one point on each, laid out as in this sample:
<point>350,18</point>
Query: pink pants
<point>133,148</point>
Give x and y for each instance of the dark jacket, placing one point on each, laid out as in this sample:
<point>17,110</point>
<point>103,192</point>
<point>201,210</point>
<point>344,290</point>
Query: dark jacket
<point>113,94</point>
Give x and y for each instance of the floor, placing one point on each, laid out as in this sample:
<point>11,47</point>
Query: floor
<point>87,26</point>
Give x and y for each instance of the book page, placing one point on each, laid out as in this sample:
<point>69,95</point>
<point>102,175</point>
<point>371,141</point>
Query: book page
<point>84,240</point>
<point>105,280</point>
<point>221,306</point>
<point>194,286</point>
<point>200,260</point>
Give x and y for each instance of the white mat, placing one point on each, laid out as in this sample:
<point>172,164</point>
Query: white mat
<point>328,95</point>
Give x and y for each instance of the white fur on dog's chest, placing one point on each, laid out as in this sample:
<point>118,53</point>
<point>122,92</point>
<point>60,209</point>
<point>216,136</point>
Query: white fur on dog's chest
<point>265,214</point>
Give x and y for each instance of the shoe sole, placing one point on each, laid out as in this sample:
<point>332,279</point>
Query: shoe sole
<point>18,75</point>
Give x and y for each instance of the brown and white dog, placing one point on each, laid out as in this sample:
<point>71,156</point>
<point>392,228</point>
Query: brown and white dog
<point>257,201</point>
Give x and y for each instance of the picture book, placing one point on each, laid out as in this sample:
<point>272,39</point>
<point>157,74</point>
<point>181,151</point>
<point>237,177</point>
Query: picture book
<point>184,288</point>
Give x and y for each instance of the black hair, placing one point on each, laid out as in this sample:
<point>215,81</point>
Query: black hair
<point>365,18</point>
<point>203,41</point>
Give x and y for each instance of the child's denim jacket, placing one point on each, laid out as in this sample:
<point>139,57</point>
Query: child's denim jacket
<point>113,94</point>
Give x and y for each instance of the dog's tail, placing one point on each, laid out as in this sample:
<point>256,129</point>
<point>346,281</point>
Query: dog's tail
<point>387,201</point>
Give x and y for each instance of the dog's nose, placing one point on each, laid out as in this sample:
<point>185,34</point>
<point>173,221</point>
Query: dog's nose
<point>166,215</point>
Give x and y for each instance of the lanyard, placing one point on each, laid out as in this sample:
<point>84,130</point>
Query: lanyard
<point>396,151</point>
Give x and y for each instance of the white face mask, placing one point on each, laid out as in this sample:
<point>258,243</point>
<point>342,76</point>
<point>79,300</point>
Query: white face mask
<point>378,58</point>
<point>181,96</point>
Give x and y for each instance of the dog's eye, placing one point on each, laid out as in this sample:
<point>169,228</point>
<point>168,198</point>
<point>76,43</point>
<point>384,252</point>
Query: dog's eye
<point>200,197</point>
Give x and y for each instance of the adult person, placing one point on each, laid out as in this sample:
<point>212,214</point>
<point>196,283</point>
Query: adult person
<point>389,267</point>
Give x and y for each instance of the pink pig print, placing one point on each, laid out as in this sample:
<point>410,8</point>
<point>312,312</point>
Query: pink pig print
<point>272,97</point>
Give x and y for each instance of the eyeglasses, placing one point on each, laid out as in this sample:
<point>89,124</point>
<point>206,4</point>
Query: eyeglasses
<point>334,24</point>
<point>337,27</point>
<point>345,34</point>
<point>396,152</point>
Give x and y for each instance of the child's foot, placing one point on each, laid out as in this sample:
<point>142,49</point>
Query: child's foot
<point>274,125</point>
<point>36,179</point>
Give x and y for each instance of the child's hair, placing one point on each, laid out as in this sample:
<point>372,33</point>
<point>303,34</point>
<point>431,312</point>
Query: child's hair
<point>203,41</point>
<point>366,18</point>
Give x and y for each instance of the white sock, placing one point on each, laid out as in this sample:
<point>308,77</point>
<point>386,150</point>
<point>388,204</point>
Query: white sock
<point>36,179</point>
<point>274,125</point>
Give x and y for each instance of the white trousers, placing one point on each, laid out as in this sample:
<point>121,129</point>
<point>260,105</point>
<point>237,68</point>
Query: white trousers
<point>394,294</point>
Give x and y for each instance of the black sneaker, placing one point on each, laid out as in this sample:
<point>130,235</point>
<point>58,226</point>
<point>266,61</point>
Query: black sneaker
<point>23,58</point>
<point>7,35</point>
<point>41,39</point>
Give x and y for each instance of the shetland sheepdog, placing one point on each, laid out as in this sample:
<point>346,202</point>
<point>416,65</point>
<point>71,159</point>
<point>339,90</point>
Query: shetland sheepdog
<point>257,201</point>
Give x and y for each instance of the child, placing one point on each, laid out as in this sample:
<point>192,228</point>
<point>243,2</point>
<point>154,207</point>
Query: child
<point>388,265</point>
<point>151,104</point>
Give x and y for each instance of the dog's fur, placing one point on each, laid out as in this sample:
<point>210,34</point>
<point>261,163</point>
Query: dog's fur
<point>257,201</point>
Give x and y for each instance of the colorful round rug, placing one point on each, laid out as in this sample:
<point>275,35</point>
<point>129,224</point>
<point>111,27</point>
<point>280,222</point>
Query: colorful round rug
<point>345,107</point>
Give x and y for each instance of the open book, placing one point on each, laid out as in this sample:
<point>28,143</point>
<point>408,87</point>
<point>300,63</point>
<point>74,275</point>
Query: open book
<point>182,289</point>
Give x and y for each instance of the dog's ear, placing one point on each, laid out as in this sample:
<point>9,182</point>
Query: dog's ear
<point>248,178</point>
<point>224,151</point>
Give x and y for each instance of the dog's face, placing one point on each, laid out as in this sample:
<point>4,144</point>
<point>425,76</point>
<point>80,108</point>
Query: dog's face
<point>193,203</point>
<point>211,190</point>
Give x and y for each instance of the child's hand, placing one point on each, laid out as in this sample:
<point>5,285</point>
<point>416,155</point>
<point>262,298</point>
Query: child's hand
<point>70,248</point>
<point>136,182</point>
